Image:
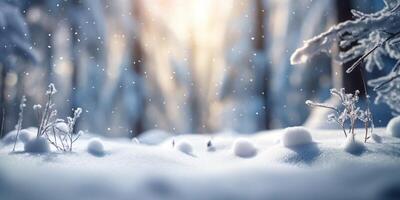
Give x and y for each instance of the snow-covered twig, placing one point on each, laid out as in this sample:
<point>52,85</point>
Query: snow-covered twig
<point>58,132</point>
<point>370,38</point>
<point>18,127</point>
<point>348,111</point>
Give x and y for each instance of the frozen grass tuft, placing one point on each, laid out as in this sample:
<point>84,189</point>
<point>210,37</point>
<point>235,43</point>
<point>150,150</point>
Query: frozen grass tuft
<point>296,136</point>
<point>244,148</point>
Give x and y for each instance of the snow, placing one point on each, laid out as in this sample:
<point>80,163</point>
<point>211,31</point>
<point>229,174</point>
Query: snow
<point>96,147</point>
<point>185,147</point>
<point>376,138</point>
<point>318,170</point>
<point>153,136</point>
<point>353,146</point>
<point>24,135</point>
<point>62,128</point>
<point>37,145</point>
<point>296,136</point>
<point>393,127</point>
<point>244,148</point>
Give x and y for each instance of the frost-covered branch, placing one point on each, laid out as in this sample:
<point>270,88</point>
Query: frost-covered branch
<point>369,38</point>
<point>18,127</point>
<point>348,111</point>
<point>58,132</point>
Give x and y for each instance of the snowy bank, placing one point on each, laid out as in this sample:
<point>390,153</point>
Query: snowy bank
<point>318,170</point>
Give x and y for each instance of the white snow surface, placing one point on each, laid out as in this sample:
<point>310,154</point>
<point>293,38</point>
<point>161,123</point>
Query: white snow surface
<point>393,127</point>
<point>318,170</point>
<point>37,145</point>
<point>185,147</point>
<point>96,147</point>
<point>353,146</point>
<point>24,135</point>
<point>296,136</point>
<point>244,148</point>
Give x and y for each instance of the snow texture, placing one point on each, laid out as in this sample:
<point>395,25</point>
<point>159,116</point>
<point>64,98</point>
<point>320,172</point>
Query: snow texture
<point>24,136</point>
<point>296,136</point>
<point>37,145</point>
<point>161,172</point>
<point>185,147</point>
<point>244,148</point>
<point>96,147</point>
<point>393,127</point>
<point>153,136</point>
<point>376,138</point>
<point>353,146</point>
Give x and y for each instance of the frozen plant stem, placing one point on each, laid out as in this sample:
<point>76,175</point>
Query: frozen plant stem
<point>20,118</point>
<point>348,111</point>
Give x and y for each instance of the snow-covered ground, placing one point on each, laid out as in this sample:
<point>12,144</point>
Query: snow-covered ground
<point>231,166</point>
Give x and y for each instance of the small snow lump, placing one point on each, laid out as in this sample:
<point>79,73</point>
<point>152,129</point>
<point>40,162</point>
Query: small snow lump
<point>96,147</point>
<point>353,146</point>
<point>184,146</point>
<point>37,145</point>
<point>296,136</point>
<point>244,148</point>
<point>393,127</point>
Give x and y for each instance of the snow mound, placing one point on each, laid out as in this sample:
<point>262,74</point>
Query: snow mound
<point>353,146</point>
<point>37,145</point>
<point>185,147</point>
<point>96,147</point>
<point>393,127</point>
<point>153,137</point>
<point>244,148</point>
<point>296,136</point>
<point>24,136</point>
<point>62,128</point>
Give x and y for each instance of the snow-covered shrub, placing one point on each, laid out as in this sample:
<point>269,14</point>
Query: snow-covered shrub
<point>244,148</point>
<point>348,111</point>
<point>369,37</point>
<point>58,132</point>
<point>296,136</point>
<point>18,127</point>
<point>46,117</point>
<point>393,127</point>
<point>184,146</point>
<point>96,147</point>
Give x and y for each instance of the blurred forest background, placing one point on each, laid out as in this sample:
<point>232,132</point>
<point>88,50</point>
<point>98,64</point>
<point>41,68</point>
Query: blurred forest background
<point>184,66</point>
